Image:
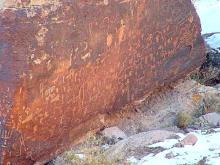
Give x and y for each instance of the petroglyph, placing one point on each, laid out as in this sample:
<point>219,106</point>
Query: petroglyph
<point>65,63</point>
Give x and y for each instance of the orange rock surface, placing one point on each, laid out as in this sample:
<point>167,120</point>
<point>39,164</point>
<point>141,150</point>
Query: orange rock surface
<point>63,63</point>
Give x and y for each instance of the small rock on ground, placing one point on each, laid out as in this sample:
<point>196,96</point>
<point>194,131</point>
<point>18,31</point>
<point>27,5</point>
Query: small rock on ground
<point>114,132</point>
<point>189,140</point>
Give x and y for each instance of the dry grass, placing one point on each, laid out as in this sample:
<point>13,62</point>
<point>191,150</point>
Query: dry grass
<point>92,151</point>
<point>183,119</point>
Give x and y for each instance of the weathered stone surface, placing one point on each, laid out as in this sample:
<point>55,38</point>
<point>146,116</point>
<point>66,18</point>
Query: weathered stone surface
<point>63,63</point>
<point>113,132</point>
<point>209,73</point>
<point>189,140</point>
<point>135,142</point>
<point>212,118</point>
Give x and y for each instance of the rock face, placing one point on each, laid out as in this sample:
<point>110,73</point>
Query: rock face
<point>212,118</point>
<point>135,142</point>
<point>209,73</point>
<point>63,63</point>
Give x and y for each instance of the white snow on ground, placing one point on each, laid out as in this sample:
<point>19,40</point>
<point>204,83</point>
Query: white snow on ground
<point>208,145</point>
<point>209,13</point>
<point>214,40</point>
<point>80,156</point>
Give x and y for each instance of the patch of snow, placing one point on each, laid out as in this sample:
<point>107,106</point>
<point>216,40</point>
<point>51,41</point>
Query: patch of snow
<point>214,40</point>
<point>105,146</point>
<point>209,13</point>
<point>167,144</point>
<point>218,87</point>
<point>80,156</point>
<point>207,146</point>
<point>132,160</point>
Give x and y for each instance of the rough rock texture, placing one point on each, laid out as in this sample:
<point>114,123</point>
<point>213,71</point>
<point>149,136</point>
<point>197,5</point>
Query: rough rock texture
<point>135,142</point>
<point>113,132</point>
<point>63,63</point>
<point>189,140</point>
<point>212,118</point>
<point>209,73</point>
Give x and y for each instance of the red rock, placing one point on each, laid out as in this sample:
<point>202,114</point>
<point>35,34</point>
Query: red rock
<point>62,64</point>
<point>189,140</point>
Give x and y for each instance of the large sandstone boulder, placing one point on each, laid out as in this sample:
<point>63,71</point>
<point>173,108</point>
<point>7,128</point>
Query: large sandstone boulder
<point>63,63</point>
